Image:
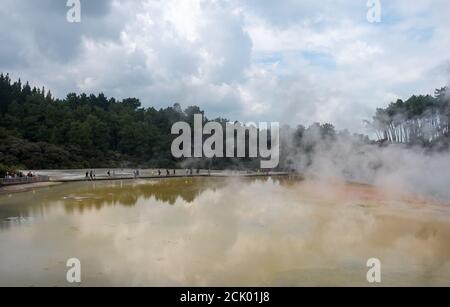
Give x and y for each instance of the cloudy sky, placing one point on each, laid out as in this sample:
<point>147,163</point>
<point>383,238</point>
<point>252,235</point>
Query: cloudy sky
<point>293,61</point>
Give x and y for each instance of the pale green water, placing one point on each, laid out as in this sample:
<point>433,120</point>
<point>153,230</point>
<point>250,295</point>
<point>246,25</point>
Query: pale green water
<point>220,232</point>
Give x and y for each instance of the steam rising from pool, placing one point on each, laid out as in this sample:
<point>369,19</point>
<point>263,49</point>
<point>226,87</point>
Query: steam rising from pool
<point>391,168</point>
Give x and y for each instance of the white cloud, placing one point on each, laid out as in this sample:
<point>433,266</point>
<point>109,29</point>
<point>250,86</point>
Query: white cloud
<point>294,61</point>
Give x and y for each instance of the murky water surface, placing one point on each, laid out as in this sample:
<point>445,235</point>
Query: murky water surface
<point>221,232</point>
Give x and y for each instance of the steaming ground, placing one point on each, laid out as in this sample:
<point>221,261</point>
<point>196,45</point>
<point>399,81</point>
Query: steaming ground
<point>391,168</point>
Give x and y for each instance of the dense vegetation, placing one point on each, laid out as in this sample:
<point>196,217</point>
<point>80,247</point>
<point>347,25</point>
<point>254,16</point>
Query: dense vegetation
<point>38,131</point>
<point>420,120</point>
<point>5,170</point>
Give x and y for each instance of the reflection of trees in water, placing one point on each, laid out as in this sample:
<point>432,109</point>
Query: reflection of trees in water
<point>16,221</point>
<point>88,196</point>
<point>164,191</point>
<point>14,214</point>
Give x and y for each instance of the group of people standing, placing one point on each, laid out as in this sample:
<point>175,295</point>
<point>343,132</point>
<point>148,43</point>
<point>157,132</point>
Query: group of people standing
<point>91,175</point>
<point>190,172</point>
<point>14,175</point>
<point>167,172</point>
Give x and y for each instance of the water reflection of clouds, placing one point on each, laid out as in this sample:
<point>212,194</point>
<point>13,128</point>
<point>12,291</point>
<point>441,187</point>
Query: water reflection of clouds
<point>240,233</point>
<point>237,235</point>
<point>165,191</point>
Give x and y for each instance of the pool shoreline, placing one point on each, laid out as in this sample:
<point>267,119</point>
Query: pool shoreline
<point>26,187</point>
<point>21,188</point>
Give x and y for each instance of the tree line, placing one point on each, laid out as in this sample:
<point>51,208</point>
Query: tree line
<point>39,131</point>
<point>421,120</point>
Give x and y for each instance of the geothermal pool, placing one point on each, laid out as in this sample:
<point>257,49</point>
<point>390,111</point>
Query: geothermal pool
<point>222,232</point>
